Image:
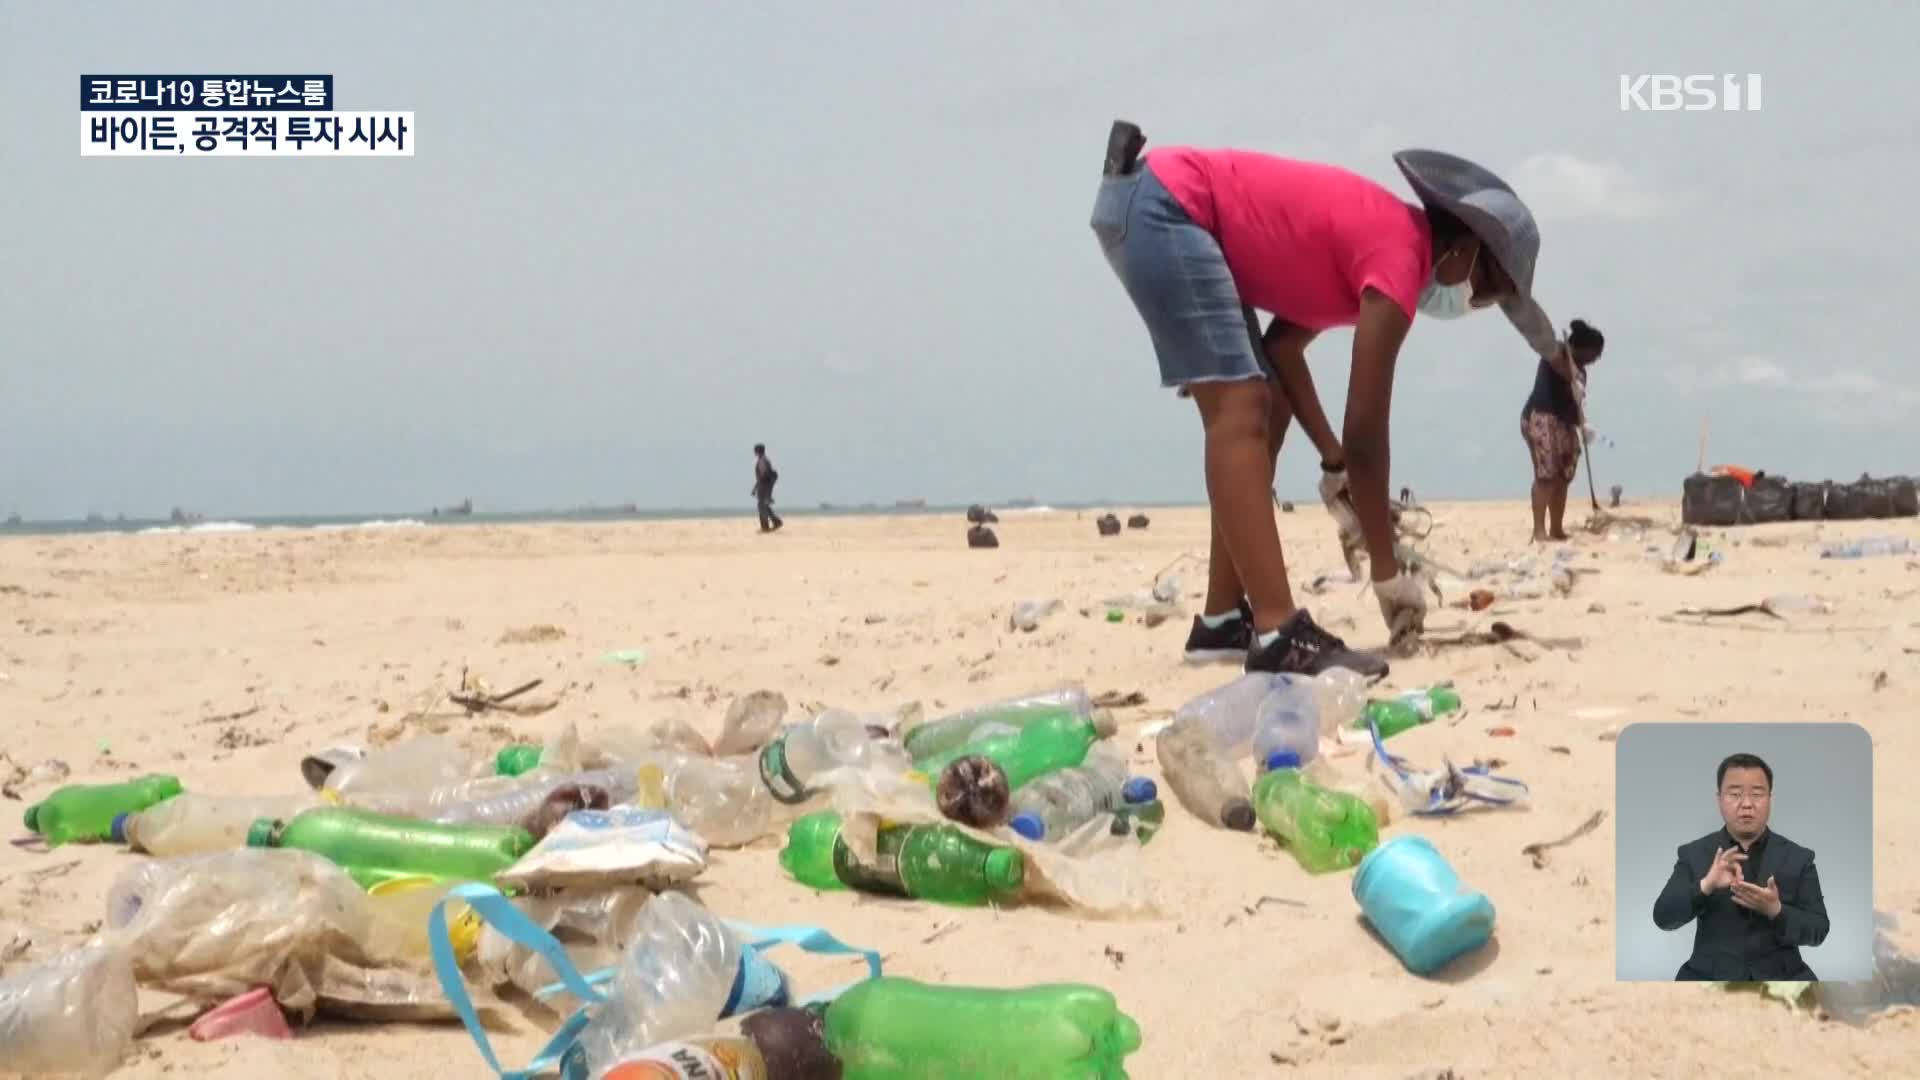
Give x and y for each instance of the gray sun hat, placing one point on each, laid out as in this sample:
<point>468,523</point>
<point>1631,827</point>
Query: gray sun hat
<point>1484,202</point>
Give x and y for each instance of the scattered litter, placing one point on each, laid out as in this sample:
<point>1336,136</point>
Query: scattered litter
<point>532,635</point>
<point>1028,613</point>
<point>599,849</point>
<point>629,657</point>
<point>1538,851</point>
<point>1777,607</point>
<point>1501,731</point>
<point>1115,699</point>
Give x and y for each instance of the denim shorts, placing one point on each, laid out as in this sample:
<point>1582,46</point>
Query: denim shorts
<point>1177,277</point>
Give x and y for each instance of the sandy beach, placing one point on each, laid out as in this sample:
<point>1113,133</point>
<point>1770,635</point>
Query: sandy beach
<point>223,658</point>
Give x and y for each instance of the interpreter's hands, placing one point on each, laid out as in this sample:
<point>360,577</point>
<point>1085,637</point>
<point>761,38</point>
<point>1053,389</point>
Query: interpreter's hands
<point>1724,871</point>
<point>1403,606</point>
<point>1337,497</point>
<point>1764,899</point>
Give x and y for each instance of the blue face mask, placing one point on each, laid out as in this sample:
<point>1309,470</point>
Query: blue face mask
<point>1439,301</point>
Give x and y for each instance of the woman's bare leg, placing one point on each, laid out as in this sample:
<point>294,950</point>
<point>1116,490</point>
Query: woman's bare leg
<point>1540,500</point>
<point>1237,416</point>
<point>1557,508</point>
<point>1224,588</point>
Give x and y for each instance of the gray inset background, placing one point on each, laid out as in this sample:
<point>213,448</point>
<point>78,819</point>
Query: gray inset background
<point>1664,796</point>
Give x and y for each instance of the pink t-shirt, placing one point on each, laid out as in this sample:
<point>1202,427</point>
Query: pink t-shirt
<point>1301,239</point>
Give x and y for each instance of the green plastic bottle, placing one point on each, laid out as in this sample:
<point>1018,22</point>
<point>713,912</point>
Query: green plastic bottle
<point>374,847</point>
<point>1054,742</point>
<point>1325,830</point>
<point>808,856</point>
<point>85,812</point>
<point>927,862</point>
<point>949,733</point>
<point>1411,709</point>
<point>891,1028</point>
<point>1140,819</point>
<point>516,759</point>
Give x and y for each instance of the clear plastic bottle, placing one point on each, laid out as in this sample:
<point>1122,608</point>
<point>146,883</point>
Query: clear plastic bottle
<point>1028,613</point>
<point>74,1014</point>
<point>1204,779</point>
<point>193,823</point>
<point>516,805</point>
<point>1228,714</point>
<point>1288,718</point>
<point>1341,695</point>
<point>676,978</point>
<point>790,764</point>
<point>722,799</point>
<point>1061,801</point>
<point>411,778</point>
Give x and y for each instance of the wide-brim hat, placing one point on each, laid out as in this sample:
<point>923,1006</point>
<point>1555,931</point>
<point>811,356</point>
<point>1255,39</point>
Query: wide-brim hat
<point>1484,203</point>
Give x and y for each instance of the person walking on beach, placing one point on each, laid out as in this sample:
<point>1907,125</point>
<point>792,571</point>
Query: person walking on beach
<point>1552,421</point>
<point>764,477</point>
<point>1200,239</point>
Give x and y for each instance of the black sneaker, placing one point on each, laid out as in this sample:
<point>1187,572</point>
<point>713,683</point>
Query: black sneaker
<point>1223,644</point>
<point>1303,648</point>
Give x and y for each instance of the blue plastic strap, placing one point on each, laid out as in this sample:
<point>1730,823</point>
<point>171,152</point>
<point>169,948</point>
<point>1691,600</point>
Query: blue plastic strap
<point>490,905</point>
<point>812,939</point>
<point>1451,801</point>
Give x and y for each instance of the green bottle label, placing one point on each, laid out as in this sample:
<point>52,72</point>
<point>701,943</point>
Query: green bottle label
<point>779,779</point>
<point>883,874</point>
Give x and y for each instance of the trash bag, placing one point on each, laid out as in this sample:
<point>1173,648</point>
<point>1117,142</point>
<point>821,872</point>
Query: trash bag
<point>1865,498</point>
<point>1809,501</point>
<point>1906,497</point>
<point>1137,521</point>
<point>980,515</point>
<point>982,537</point>
<point>1845,502</point>
<point>1769,500</point>
<point>1108,525</point>
<point>1711,500</point>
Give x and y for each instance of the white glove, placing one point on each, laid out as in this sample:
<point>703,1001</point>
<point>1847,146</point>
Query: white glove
<point>1403,605</point>
<point>1334,494</point>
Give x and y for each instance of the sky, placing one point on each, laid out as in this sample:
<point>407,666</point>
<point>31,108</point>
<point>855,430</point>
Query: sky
<point>639,237</point>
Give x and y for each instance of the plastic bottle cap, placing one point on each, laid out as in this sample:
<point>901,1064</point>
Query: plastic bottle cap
<point>1283,759</point>
<point>260,833</point>
<point>1140,789</point>
<point>1238,815</point>
<point>1029,825</point>
<point>118,830</point>
<point>1005,868</point>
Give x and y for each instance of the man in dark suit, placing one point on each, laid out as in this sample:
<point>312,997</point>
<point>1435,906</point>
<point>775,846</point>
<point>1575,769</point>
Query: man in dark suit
<point>1755,893</point>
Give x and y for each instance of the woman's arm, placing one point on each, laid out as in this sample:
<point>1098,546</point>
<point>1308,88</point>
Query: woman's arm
<point>1286,347</point>
<point>1377,337</point>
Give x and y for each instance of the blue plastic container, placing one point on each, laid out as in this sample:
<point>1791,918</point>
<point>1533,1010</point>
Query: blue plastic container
<point>1415,900</point>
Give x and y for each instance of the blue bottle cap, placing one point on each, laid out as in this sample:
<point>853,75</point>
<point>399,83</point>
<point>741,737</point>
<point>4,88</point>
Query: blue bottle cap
<point>1282,759</point>
<point>118,830</point>
<point>1139,789</point>
<point>1029,825</point>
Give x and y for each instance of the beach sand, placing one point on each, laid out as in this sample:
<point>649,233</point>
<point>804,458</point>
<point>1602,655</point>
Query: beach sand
<point>225,658</point>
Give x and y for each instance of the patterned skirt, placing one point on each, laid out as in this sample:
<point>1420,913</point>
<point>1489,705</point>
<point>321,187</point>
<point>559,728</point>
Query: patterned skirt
<point>1554,445</point>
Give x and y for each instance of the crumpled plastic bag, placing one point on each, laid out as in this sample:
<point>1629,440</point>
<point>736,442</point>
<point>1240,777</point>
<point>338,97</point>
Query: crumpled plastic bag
<point>210,927</point>
<point>623,845</point>
<point>76,1013</point>
<point>1091,869</point>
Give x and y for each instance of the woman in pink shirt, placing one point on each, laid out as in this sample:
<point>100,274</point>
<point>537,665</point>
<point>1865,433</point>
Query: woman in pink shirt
<point>1201,240</point>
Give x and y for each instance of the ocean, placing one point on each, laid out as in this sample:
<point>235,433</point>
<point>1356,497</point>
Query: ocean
<point>161,526</point>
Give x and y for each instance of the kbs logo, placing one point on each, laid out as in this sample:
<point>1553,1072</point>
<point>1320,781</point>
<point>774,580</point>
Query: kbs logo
<point>1689,93</point>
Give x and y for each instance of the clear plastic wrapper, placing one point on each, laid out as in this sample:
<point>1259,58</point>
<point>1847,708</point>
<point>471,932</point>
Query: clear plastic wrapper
<point>214,926</point>
<point>75,1014</point>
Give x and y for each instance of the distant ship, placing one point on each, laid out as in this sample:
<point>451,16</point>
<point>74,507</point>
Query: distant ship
<point>96,519</point>
<point>1027,503</point>
<point>13,519</point>
<point>185,517</point>
<point>463,508</point>
<point>910,504</point>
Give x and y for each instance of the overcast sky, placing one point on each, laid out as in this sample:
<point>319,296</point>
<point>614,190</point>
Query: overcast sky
<point>639,237</point>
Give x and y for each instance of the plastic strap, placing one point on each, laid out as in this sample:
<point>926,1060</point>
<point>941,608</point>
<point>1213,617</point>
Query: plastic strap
<point>487,902</point>
<point>1481,785</point>
<point>812,939</point>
